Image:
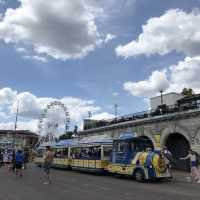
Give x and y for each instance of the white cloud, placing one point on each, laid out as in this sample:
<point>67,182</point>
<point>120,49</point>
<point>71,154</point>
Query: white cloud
<point>103,116</point>
<point>109,37</point>
<point>175,30</point>
<point>115,94</point>
<point>7,96</point>
<point>21,50</point>
<point>3,116</point>
<point>61,29</point>
<point>185,74</point>
<point>30,125</point>
<point>79,108</point>
<point>28,105</point>
<point>7,126</point>
<point>156,82</point>
<point>36,57</point>
<point>31,107</point>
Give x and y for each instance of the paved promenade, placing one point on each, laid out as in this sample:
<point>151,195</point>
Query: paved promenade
<point>81,186</point>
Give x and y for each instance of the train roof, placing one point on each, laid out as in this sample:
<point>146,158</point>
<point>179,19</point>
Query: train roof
<point>128,136</point>
<point>96,139</point>
<point>67,143</point>
<point>46,144</point>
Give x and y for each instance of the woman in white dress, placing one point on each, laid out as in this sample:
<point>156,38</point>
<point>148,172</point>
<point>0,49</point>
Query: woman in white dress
<point>5,156</point>
<point>195,173</point>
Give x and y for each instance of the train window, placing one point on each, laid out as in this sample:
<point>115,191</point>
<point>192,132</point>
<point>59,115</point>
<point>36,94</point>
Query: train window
<point>58,154</point>
<point>131,146</point>
<point>137,145</point>
<point>107,152</point>
<point>122,147</point>
<point>115,146</point>
<point>65,153</point>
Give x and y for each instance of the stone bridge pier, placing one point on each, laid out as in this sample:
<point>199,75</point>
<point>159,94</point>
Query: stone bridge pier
<point>178,131</point>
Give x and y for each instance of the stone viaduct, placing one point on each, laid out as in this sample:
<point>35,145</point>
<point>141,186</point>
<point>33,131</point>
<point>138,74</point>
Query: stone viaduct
<point>178,131</point>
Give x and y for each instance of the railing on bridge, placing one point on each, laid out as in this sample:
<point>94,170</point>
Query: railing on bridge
<point>159,111</point>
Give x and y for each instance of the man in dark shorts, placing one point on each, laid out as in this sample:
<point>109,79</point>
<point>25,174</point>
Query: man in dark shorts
<point>48,160</point>
<point>19,161</point>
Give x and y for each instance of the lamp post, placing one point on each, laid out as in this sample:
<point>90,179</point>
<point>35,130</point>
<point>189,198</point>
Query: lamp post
<point>16,119</point>
<point>115,109</point>
<point>89,114</point>
<point>161,97</point>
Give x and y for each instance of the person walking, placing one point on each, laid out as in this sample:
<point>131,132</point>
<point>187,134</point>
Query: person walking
<point>149,163</point>
<point>13,161</point>
<point>1,158</point>
<point>48,160</point>
<point>19,161</point>
<point>169,160</point>
<point>26,158</point>
<point>5,157</point>
<point>195,174</point>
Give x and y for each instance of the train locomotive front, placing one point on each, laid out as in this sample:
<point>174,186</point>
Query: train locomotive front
<point>134,156</point>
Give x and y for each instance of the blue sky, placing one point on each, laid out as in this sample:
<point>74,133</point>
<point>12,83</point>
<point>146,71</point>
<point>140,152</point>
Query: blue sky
<point>87,67</point>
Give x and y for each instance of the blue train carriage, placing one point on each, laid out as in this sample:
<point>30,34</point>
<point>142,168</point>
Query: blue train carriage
<point>62,156</point>
<point>133,156</point>
<point>92,153</point>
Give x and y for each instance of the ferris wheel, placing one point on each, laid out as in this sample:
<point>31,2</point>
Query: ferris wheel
<point>53,121</point>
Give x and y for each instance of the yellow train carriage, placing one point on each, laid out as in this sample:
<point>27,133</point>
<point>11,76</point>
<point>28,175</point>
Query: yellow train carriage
<point>61,157</point>
<point>92,153</point>
<point>57,162</point>
<point>91,157</point>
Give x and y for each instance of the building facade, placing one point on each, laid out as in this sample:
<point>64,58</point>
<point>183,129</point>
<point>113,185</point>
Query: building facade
<point>18,139</point>
<point>168,99</point>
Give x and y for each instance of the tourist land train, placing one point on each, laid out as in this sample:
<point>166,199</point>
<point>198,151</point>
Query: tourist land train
<point>173,121</point>
<point>127,155</point>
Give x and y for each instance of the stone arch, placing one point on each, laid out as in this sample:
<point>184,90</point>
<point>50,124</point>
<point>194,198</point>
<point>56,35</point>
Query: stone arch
<point>178,143</point>
<point>148,135</point>
<point>167,131</point>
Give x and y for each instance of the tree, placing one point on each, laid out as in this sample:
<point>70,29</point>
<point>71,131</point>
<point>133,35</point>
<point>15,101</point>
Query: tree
<point>187,92</point>
<point>67,135</point>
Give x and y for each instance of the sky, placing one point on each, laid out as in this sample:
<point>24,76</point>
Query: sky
<point>93,54</point>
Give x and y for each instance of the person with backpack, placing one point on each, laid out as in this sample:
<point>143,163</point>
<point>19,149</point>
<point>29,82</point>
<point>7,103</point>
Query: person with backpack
<point>169,160</point>
<point>19,161</point>
<point>195,173</point>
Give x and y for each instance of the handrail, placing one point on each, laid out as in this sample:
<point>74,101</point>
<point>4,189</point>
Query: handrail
<point>159,111</point>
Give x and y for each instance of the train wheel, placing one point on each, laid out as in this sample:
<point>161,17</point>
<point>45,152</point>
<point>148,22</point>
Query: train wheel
<point>139,175</point>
